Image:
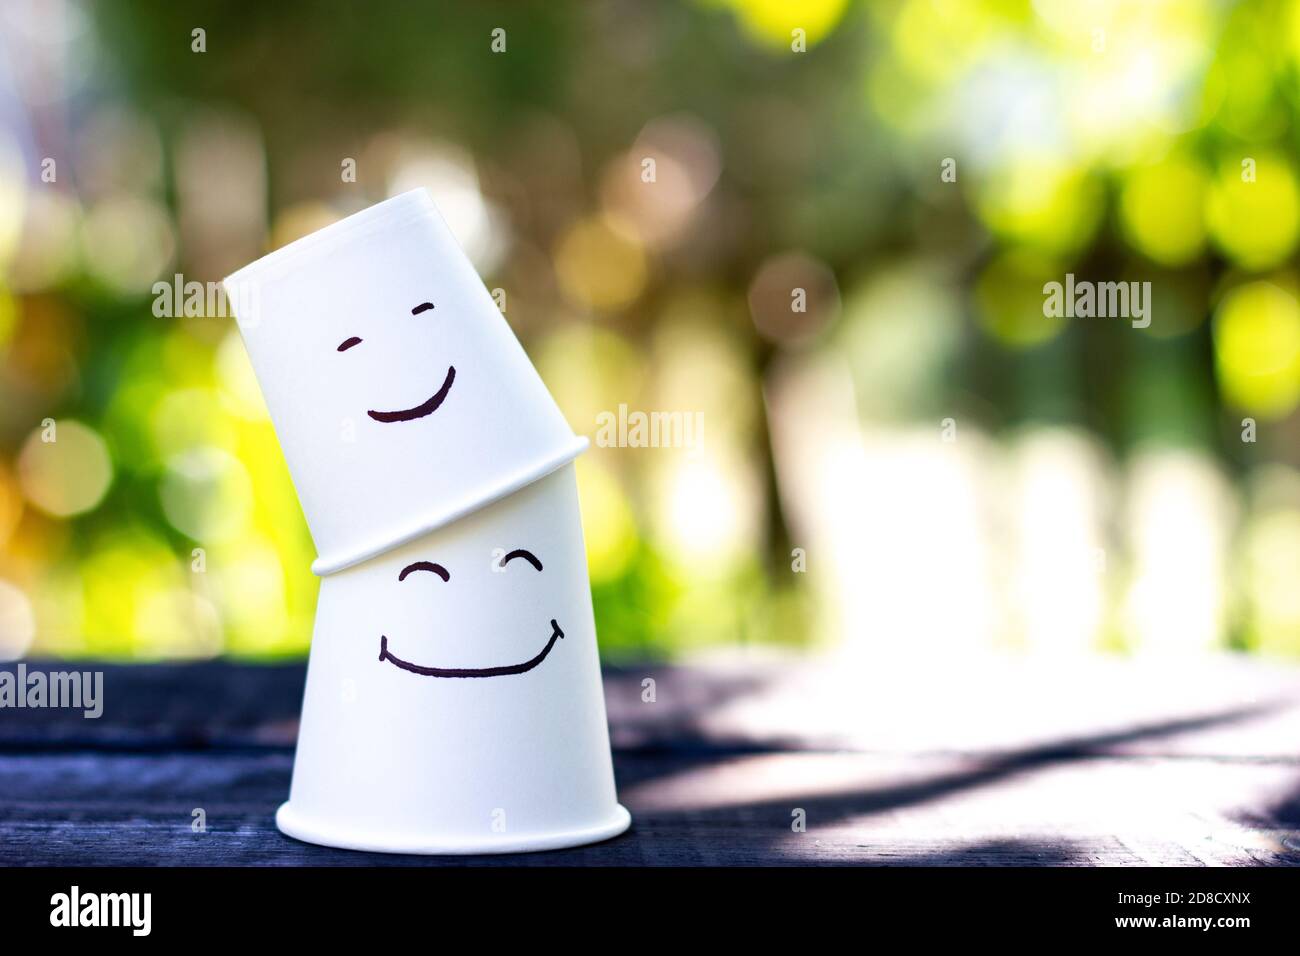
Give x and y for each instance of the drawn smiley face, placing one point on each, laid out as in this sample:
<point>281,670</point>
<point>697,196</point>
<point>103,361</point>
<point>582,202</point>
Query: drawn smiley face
<point>429,405</point>
<point>503,670</point>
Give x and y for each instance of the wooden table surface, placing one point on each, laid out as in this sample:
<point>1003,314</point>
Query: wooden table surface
<point>892,760</point>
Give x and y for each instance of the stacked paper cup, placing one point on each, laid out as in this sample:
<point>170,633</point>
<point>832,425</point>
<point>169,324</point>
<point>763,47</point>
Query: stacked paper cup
<point>453,701</point>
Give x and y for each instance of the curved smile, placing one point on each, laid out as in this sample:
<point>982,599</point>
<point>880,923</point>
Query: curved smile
<point>527,665</point>
<point>419,411</point>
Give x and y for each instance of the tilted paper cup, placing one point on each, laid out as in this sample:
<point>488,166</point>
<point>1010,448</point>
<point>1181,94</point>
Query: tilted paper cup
<point>454,701</point>
<point>400,396</point>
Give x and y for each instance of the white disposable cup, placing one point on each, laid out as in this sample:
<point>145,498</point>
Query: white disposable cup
<point>450,716</point>
<point>434,412</point>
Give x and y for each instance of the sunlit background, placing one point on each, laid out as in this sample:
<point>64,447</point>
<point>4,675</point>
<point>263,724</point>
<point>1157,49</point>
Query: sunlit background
<point>917,458</point>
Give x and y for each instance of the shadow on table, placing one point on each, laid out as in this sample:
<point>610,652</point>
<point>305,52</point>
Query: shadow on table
<point>992,853</point>
<point>768,818</point>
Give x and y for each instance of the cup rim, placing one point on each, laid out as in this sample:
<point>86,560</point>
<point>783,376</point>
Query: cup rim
<point>438,517</point>
<point>396,210</point>
<point>346,835</point>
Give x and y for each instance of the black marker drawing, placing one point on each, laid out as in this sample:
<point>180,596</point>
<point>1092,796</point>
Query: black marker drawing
<point>437,569</point>
<point>419,411</point>
<point>521,553</point>
<point>427,407</point>
<point>527,665</point>
<point>556,632</point>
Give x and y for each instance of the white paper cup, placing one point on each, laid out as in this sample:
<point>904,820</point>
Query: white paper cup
<point>463,715</point>
<point>400,396</point>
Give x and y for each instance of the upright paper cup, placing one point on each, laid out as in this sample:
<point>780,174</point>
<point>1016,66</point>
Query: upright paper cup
<point>400,396</point>
<point>465,714</point>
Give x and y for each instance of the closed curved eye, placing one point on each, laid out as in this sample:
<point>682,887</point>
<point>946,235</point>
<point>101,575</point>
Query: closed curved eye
<point>348,343</point>
<point>437,569</point>
<point>521,553</point>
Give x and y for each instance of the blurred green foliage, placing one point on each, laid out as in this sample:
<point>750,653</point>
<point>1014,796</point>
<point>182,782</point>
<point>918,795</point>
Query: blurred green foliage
<point>920,169</point>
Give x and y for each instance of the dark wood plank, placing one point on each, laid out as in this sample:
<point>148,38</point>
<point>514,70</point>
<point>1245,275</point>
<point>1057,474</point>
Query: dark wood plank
<point>1200,770</point>
<point>136,809</point>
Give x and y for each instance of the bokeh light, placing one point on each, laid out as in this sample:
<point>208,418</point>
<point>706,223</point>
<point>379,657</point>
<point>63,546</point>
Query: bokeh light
<point>1179,511</point>
<point>299,220</point>
<point>654,190</point>
<point>11,504</point>
<point>49,248</point>
<point>1270,553</point>
<point>129,243</point>
<point>598,267</point>
<point>175,623</point>
<point>589,370</point>
<point>793,297</point>
<point>1059,587</point>
<point>771,22</point>
<point>17,622</point>
<point>240,391</point>
<point>1162,209</point>
<point>12,196</point>
<point>1042,200</point>
<point>247,580</point>
<point>1257,348</point>
<point>188,418</point>
<point>122,575</point>
<point>1254,215</point>
<point>708,512</point>
<point>451,178</point>
<point>1009,296</point>
<point>207,495</point>
<point>608,524</point>
<point>64,468</point>
<point>9,305</point>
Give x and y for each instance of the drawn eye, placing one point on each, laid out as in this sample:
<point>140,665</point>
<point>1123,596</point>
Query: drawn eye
<point>437,569</point>
<point>348,343</point>
<point>422,307</point>
<point>521,553</point>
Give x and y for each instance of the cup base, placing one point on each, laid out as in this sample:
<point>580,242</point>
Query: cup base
<point>291,824</point>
